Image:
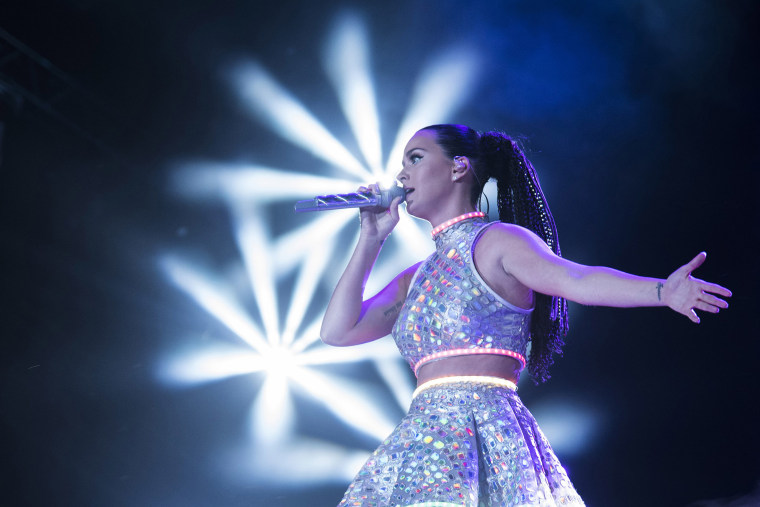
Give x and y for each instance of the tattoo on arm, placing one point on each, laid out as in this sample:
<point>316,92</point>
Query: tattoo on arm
<point>659,291</point>
<point>392,309</point>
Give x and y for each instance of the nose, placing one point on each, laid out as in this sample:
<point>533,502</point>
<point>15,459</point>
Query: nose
<point>401,176</point>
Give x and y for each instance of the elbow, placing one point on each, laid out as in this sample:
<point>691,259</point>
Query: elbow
<point>332,338</point>
<point>329,340</point>
<point>326,337</point>
<point>334,342</point>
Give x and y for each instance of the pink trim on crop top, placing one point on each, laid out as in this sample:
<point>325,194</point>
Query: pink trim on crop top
<point>466,352</point>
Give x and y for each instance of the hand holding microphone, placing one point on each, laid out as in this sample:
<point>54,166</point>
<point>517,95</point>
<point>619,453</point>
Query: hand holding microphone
<point>378,208</point>
<point>363,198</point>
<point>378,221</point>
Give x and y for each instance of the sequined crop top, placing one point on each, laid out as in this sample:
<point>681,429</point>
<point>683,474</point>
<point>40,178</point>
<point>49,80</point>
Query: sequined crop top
<point>449,309</point>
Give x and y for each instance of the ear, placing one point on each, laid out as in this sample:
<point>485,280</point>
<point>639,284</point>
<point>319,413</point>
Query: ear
<point>460,167</point>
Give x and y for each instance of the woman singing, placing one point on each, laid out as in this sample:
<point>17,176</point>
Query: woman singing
<point>463,319</point>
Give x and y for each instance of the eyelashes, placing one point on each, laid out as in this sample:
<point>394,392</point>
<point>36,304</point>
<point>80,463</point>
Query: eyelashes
<point>413,159</point>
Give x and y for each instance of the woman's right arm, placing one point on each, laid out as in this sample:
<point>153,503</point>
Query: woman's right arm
<point>349,319</point>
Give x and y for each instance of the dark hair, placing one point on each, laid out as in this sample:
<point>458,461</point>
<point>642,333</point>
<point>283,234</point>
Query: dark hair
<point>520,201</point>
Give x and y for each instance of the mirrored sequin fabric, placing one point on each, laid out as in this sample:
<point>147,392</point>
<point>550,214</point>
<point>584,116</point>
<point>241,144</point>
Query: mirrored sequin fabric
<point>465,443</point>
<point>449,306</point>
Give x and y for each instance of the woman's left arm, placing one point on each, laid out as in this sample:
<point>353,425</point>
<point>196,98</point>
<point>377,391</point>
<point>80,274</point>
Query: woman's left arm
<point>527,258</point>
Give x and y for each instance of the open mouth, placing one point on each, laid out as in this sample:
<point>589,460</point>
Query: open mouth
<point>408,191</point>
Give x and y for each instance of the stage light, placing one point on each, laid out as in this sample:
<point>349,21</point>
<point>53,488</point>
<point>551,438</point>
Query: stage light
<point>436,96</point>
<point>215,296</point>
<point>228,183</point>
<point>346,62</point>
<point>569,425</point>
<point>285,351</point>
<point>289,118</point>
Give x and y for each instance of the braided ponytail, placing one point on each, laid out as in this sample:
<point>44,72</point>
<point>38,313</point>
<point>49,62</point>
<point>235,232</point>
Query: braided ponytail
<point>521,202</point>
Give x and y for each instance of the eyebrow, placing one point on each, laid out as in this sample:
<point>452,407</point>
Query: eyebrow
<point>409,152</point>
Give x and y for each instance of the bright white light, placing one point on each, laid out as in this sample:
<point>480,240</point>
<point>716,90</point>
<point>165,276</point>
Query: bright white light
<point>395,373</point>
<point>311,270</point>
<point>306,461</point>
<point>272,414</point>
<point>253,241</point>
<point>214,363</point>
<point>351,401</point>
<point>320,228</point>
<point>567,425</point>
<point>262,185</point>
<point>289,118</point>
<point>287,354</point>
<point>215,297</point>
<point>444,86</point>
<point>346,62</point>
<point>376,350</point>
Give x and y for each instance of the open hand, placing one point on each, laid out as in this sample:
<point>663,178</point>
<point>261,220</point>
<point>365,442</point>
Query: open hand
<point>685,294</point>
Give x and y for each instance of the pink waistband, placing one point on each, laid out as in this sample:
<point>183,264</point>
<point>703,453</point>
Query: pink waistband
<point>467,352</point>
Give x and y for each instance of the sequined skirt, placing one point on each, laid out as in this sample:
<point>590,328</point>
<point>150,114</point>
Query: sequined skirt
<point>467,441</point>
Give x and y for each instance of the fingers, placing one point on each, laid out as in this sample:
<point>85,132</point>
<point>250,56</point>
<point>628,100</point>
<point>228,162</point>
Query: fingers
<point>714,287</point>
<point>705,307</point>
<point>713,300</point>
<point>696,262</point>
<point>693,316</point>
<point>393,209</point>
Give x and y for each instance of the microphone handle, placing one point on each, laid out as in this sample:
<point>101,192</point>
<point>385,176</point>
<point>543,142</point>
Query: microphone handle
<point>352,200</point>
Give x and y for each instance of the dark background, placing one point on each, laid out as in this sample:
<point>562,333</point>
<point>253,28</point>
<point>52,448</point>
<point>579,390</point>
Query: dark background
<point>642,120</point>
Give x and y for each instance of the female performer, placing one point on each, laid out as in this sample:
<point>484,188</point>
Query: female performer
<point>463,319</point>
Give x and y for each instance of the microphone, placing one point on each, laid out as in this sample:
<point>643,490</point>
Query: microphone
<point>354,200</point>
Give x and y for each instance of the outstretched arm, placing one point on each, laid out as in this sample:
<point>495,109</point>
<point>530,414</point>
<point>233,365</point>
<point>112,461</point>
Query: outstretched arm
<point>349,319</point>
<point>530,261</point>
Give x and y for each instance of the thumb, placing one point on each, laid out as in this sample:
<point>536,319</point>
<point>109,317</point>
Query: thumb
<point>696,261</point>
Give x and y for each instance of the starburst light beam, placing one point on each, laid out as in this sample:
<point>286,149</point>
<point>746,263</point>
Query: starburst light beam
<point>290,249</point>
<point>442,89</point>
<point>334,275</point>
<point>289,118</point>
<point>272,413</point>
<point>347,402</point>
<point>206,180</point>
<point>253,241</point>
<point>395,373</point>
<point>569,426</point>
<point>416,247</point>
<point>305,286</point>
<point>211,295</point>
<point>308,337</point>
<point>302,461</point>
<point>346,62</point>
<point>209,365</point>
<point>378,349</point>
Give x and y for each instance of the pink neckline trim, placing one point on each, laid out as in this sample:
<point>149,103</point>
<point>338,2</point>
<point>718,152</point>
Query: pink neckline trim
<point>467,352</point>
<point>448,223</point>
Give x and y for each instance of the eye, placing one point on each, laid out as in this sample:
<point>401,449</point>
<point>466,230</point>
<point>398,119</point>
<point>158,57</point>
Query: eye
<point>415,158</point>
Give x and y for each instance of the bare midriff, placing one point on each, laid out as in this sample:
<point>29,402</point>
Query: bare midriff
<point>471,365</point>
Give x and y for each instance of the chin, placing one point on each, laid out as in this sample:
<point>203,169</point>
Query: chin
<point>410,210</point>
<point>415,213</point>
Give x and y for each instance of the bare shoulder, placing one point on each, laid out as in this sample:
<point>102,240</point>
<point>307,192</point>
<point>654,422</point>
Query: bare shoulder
<point>508,236</point>
<point>512,247</point>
